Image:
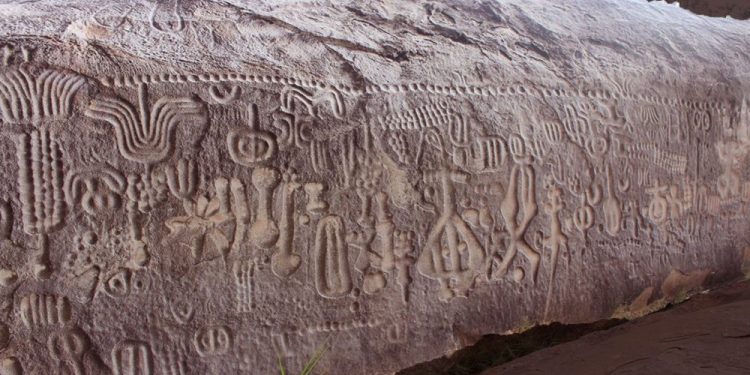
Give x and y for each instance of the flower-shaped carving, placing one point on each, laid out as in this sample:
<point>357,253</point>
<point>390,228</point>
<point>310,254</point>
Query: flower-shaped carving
<point>205,219</point>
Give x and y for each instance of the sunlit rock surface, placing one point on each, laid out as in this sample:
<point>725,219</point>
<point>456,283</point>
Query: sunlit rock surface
<point>197,187</point>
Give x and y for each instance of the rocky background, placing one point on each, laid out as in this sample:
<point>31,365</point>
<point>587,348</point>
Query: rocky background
<point>216,187</point>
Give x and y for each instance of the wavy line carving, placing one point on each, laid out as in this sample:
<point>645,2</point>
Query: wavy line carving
<point>26,96</point>
<point>146,135</point>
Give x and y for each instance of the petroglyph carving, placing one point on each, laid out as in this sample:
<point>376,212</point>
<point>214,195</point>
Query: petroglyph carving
<point>517,146</point>
<point>404,249</point>
<point>182,180</point>
<point>398,143</point>
<point>38,310</point>
<point>97,190</point>
<point>369,262</point>
<point>556,241</point>
<point>583,217</point>
<point>294,132</point>
<point>264,231</point>
<point>701,120</point>
<point>455,276</point>
<point>40,183</point>
<point>146,135</point>
<point>202,207</point>
<point>576,124</point>
<point>284,262</point>
<point>350,159</point>
<point>68,348</point>
<point>132,357</point>
<point>332,275</point>
<point>434,115</point>
<point>240,207</point>
<point>6,220</point>
<point>204,220</point>
<point>731,154</point>
<point>243,272</point>
<point>252,145</point>
<point>553,132</point>
<point>315,202</point>
<point>521,189</point>
<point>611,207</point>
<point>125,282</point>
<point>330,95</point>
<point>174,26</point>
<point>658,207</point>
<point>319,158</point>
<point>212,341</point>
<point>27,96</point>
<point>223,95</point>
<point>673,163</point>
<point>491,152</point>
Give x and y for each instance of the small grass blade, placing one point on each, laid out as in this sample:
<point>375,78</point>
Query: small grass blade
<point>310,366</point>
<point>282,370</point>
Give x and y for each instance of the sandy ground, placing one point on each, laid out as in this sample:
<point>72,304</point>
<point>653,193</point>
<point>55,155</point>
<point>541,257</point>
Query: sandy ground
<point>710,334</point>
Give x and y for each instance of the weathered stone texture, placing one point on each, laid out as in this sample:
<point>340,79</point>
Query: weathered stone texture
<point>197,187</point>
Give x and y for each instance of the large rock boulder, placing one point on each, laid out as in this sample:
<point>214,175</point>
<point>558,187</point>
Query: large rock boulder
<point>197,187</point>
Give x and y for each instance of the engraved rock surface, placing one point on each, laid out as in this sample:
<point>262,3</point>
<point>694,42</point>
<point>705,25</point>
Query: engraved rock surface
<point>200,187</point>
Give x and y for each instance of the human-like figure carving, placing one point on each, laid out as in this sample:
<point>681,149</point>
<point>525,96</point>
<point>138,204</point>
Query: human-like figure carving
<point>556,241</point>
<point>521,178</point>
<point>404,259</point>
<point>456,277</point>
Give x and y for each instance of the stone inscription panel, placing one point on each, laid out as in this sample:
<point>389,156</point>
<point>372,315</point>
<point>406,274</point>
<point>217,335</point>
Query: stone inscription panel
<point>218,222</point>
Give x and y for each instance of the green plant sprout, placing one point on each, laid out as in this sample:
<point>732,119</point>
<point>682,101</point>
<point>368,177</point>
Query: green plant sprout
<point>311,363</point>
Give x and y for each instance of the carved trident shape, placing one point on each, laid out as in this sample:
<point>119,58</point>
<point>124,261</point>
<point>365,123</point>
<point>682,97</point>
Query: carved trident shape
<point>521,178</point>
